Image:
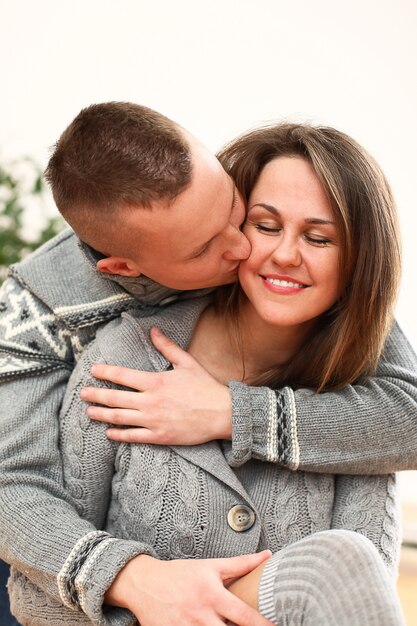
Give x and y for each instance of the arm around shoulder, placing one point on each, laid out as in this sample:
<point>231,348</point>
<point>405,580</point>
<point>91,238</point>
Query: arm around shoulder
<point>43,533</point>
<point>361,429</point>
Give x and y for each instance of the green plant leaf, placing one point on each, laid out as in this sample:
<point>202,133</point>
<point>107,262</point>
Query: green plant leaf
<point>16,191</point>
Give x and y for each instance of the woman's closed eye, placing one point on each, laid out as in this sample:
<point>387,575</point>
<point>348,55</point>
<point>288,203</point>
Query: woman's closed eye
<point>264,228</point>
<point>317,240</point>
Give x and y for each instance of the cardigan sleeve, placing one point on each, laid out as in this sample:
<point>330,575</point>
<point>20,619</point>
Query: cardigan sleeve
<point>361,429</point>
<point>88,468</point>
<point>35,365</point>
<point>49,530</point>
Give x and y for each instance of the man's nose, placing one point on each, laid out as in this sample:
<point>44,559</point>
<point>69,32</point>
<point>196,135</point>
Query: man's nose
<point>239,247</point>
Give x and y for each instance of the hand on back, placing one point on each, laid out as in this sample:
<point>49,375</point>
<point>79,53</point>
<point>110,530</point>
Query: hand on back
<point>182,406</point>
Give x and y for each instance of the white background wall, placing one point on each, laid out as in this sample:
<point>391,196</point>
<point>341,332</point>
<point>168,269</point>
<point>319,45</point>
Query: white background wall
<point>219,67</point>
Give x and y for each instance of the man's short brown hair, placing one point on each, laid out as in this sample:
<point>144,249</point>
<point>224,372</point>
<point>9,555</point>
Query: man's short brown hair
<point>116,154</point>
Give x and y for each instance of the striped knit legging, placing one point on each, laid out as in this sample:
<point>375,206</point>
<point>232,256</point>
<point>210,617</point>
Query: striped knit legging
<point>331,578</point>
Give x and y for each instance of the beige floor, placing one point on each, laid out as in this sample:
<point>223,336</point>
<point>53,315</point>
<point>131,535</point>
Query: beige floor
<point>407,583</point>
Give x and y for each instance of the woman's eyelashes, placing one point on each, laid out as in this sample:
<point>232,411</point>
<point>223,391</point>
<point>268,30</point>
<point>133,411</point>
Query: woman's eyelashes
<point>313,238</point>
<point>318,241</point>
<point>267,229</point>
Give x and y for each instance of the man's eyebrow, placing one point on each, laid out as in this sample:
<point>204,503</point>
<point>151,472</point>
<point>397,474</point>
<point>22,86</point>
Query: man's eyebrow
<point>275,211</point>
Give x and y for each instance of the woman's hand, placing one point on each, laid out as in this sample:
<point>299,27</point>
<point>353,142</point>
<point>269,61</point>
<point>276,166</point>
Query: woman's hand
<point>186,592</point>
<point>183,406</point>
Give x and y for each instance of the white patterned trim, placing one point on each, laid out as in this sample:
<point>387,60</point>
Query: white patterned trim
<point>10,364</point>
<point>68,567</point>
<point>15,325</point>
<point>294,456</point>
<point>80,308</point>
<point>85,571</point>
<point>272,436</point>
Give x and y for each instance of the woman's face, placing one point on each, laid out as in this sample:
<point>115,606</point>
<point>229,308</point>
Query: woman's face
<point>292,274</point>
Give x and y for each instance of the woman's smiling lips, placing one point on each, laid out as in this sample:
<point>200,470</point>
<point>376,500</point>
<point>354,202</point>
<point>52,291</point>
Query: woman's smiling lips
<point>282,284</point>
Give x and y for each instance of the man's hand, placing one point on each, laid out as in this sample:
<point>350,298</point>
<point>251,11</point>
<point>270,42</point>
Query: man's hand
<point>183,406</point>
<point>186,592</point>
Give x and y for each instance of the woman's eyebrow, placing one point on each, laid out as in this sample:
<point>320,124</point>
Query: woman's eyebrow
<point>275,211</point>
<point>268,207</point>
<point>318,220</point>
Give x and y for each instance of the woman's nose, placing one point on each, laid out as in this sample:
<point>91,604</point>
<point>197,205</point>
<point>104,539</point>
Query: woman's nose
<point>287,251</point>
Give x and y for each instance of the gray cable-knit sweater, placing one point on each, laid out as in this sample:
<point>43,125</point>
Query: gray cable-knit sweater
<point>174,502</point>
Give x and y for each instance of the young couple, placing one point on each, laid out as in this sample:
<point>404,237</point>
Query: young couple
<point>93,527</point>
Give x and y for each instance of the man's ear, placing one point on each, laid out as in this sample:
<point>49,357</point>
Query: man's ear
<point>118,265</point>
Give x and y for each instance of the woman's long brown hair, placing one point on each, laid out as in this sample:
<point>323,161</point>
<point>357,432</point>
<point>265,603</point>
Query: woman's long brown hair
<point>348,339</point>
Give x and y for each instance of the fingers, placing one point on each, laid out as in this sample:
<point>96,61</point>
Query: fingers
<point>238,566</point>
<point>110,397</point>
<point>141,430</point>
<point>170,350</point>
<point>242,614</point>
<point>119,417</point>
<point>238,612</point>
<point>244,611</point>
<point>131,435</point>
<point>135,379</point>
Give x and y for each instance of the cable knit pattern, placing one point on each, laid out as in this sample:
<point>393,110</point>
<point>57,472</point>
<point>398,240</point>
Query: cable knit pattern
<point>301,504</point>
<point>39,521</point>
<point>184,519</point>
<point>283,520</point>
<point>137,504</point>
<point>164,508</point>
<point>174,502</point>
<point>319,488</point>
<point>75,449</point>
<point>390,545</point>
<point>369,505</point>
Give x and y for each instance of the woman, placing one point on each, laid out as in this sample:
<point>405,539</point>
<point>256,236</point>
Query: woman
<point>313,309</point>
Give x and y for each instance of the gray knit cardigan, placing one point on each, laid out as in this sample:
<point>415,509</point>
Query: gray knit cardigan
<point>172,502</point>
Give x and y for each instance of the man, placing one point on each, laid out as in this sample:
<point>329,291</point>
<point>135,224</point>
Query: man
<point>153,207</point>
